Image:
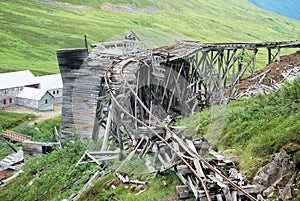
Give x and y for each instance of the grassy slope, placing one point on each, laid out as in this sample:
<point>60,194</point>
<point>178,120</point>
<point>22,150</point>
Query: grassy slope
<point>55,177</point>
<point>9,120</point>
<point>31,32</point>
<point>257,128</point>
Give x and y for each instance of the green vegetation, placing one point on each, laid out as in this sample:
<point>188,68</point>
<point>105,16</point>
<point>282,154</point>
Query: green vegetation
<point>9,120</point>
<point>257,127</point>
<point>162,187</point>
<point>31,32</point>
<point>55,177</point>
<point>5,150</point>
<point>44,178</point>
<point>40,132</point>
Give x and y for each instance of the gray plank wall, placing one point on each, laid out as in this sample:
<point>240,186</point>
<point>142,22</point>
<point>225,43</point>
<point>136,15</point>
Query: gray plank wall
<point>81,80</point>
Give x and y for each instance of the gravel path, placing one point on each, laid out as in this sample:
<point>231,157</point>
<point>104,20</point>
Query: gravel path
<point>130,9</point>
<point>64,5</point>
<point>107,7</point>
<point>42,116</point>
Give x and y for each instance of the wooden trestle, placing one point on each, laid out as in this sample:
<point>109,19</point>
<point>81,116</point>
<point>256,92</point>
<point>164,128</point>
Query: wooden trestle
<point>128,90</point>
<point>172,80</point>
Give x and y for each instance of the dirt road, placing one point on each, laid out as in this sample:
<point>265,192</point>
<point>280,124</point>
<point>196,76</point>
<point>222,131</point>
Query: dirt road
<point>42,115</point>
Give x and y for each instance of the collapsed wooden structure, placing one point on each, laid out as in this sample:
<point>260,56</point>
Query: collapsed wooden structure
<point>125,90</point>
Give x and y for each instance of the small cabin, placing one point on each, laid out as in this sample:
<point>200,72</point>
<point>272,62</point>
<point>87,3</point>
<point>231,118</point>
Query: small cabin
<point>37,99</point>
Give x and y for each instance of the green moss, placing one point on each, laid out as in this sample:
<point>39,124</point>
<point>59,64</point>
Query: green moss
<point>296,158</point>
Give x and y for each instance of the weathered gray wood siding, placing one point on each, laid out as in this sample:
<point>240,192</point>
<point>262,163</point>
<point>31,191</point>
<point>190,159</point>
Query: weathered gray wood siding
<point>80,90</point>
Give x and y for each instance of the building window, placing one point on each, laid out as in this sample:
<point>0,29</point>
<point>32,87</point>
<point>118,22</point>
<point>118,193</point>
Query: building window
<point>46,101</point>
<point>10,100</point>
<point>5,91</point>
<point>4,102</point>
<point>53,92</point>
<point>57,92</point>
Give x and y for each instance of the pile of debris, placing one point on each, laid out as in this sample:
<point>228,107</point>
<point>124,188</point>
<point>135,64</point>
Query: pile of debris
<point>267,79</point>
<point>214,178</point>
<point>14,162</point>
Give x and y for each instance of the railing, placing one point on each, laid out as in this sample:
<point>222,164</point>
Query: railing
<point>16,137</point>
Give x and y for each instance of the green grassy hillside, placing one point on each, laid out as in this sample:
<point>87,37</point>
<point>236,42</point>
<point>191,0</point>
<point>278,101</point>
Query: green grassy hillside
<point>257,128</point>
<point>31,32</point>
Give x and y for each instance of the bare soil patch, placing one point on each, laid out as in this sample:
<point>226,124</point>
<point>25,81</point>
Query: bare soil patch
<point>42,115</point>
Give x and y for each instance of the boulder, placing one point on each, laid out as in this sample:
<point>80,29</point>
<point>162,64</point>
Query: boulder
<point>273,172</point>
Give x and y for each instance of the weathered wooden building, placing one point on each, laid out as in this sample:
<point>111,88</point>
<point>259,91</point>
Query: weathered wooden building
<point>174,80</point>
<point>125,93</point>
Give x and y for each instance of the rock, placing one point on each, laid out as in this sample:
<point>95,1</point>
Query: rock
<point>273,172</point>
<point>228,151</point>
<point>139,188</point>
<point>268,191</point>
<point>286,193</point>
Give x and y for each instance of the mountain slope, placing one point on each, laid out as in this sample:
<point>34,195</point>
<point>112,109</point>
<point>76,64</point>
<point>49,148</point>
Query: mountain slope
<point>31,32</point>
<point>289,8</point>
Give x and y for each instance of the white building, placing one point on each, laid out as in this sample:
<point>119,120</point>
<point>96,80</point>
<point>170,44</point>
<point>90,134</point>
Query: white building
<point>53,84</point>
<point>12,83</point>
<point>24,89</point>
<point>38,99</point>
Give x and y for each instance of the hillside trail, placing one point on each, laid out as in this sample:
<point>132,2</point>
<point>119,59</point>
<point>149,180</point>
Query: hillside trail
<point>42,115</point>
<point>64,5</point>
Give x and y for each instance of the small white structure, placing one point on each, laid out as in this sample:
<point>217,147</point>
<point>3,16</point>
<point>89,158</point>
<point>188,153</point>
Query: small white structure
<point>38,99</point>
<point>12,83</point>
<point>24,89</point>
<point>53,84</point>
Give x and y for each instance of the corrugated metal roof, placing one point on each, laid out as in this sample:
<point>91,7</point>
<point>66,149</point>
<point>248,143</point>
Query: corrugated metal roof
<point>50,81</point>
<point>32,93</point>
<point>17,79</point>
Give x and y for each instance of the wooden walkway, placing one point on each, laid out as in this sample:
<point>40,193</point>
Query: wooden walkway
<point>16,137</point>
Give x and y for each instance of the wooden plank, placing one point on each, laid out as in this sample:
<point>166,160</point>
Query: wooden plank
<point>16,137</point>
<point>183,192</point>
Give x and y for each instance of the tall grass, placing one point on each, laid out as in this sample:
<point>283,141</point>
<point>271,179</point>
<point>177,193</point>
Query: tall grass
<point>31,32</point>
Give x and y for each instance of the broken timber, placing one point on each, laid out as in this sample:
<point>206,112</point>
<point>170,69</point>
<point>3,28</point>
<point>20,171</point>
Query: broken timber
<point>130,90</point>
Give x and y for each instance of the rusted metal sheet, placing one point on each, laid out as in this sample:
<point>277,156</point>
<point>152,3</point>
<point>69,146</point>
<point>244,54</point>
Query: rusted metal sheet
<point>5,173</point>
